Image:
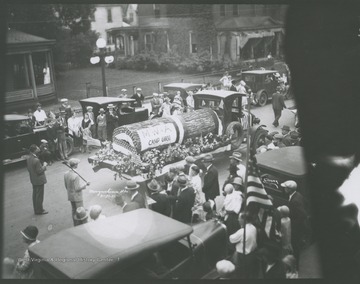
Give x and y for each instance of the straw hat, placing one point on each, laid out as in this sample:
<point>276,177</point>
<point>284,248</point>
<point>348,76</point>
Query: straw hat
<point>101,110</point>
<point>80,214</point>
<point>43,141</point>
<point>236,156</point>
<point>64,100</point>
<point>110,106</point>
<point>153,185</point>
<point>89,108</point>
<point>95,211</point>
<point>238,181</point>
<point>131,185</point>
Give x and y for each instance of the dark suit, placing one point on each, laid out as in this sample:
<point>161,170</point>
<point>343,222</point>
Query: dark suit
<point>139,199</point>
<point>184,203</point>
<point>162,204</point>
<point>38,180</point>
<point>130,207</point>
<point>211,183</point>
<point>276,272</point>
<point>299,222</point>
<point>233,88</point>
<point>138,99</point>
<point>278,105</point>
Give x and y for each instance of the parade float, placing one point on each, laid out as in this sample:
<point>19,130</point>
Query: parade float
<point>147,149</point>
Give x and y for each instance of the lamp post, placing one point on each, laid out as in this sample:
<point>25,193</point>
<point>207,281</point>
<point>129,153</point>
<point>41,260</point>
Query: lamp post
<point>101,43</point>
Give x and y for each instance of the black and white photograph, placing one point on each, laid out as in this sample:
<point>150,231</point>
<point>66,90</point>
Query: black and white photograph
<point>181,141</point>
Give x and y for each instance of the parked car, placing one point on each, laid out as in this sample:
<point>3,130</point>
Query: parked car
<point>262,83</point>
<point>228,106</point>
<point>131,116</point>
<point>140,244</point>
<point>19,135</point>
<point>183,88</point>
<point>279,165</point>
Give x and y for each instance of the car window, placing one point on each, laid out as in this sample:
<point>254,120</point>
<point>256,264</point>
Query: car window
<point>156,265</point>
<point>249,78</point>
<point>16,128</point>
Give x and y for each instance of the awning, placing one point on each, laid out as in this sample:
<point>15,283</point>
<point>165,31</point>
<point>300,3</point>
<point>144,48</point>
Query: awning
<point>245,36</point>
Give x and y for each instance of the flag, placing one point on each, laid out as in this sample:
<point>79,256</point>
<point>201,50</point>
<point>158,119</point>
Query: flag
<point>255,191</point>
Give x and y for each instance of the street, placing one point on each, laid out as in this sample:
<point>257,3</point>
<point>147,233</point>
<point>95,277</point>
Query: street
<point>18,210</point>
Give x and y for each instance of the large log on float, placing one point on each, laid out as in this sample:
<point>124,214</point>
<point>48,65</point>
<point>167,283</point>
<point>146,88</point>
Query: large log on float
<point>161,132</point>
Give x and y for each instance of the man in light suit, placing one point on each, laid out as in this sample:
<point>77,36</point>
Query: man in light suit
<point>37,178</point>
<point>211,178</point>
<point>74,187</point>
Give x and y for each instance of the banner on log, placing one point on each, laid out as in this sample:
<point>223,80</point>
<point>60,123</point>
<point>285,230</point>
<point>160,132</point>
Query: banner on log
<point>158,135</point>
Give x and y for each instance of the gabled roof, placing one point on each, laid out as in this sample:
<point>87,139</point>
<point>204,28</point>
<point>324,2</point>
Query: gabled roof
<point>18,37</point>
<point>247,23</point>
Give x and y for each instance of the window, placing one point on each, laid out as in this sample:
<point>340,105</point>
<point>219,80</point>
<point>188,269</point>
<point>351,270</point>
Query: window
<point>109,38</point>
<point>109,16</point>
<point>156,10</point>
<point>17,72</point>
<point>235,10</point>
<point>222,10</point>
<point>149,41</point>
<point>41,68</point>
<point>193,43</point>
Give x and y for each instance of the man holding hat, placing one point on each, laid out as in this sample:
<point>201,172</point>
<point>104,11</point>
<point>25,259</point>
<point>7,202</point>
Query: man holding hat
<point>139,98</point>
<point>74,187</point>
<point>80,217</point>
<point>298,215</point>
<point>101,125</point>
<point>112,120</point>
<point>38,179</point>
<point>135,195</point>
<point>158,194</point>
<point>211,178</point>
<point>185,200</point>
<point>24,265</point>
<point>155,104</point>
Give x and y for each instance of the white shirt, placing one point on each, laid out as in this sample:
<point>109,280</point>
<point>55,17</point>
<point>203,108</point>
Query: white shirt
<point>197,186</point>
<point>190,102</point>
<point>232,202</point>
<point>74,124</point>
<point>241,170</point>
<point>40,115</point>
<point>291,195</point>
<point>166,109</point>
<point>237,238</point>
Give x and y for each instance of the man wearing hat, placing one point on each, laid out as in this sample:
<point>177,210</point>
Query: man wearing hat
<point>135,195</point>
<point>24,265</point>
<point>101,125</point>
<point>278,105</point>
<point>278,141</point>
<point>80,216</point>
<point>124,202</point>
<point>74,187</point>
<point>65,108</point>
<point>38,179</point>
<point>298,215</point>
<point>285,131</point>
<point>40,116</point>
<point>294,139</point>
<point>158,194</point>
<point>123,93</point>
<point>60,127</point>
<point>95,213</point>
<point>45,155</point>
<point>155,104</point>
<point>237,169</point>
<point>211,178</point>
<point>185,200</point>
<point>112,120</point>
<point>139,98</point>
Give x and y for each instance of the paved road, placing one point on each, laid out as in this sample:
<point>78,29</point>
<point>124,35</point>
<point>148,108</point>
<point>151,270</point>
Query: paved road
<point>18,212</point>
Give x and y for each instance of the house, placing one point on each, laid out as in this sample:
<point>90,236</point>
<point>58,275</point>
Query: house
<point>227,31</point>
<point>130,14</point>
<point>29,75</point>
<point>105,18</point>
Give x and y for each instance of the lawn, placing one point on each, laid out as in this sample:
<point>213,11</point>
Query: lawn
<point>72,84</point>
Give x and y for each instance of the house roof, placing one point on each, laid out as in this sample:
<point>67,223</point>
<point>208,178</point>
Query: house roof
<point>19,37</point>
<point>248,23</point>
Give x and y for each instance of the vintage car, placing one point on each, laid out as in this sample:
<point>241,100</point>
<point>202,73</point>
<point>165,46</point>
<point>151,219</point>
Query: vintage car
<point>228,106</point>
<point>130,115</point>
<point>140,244</point>
<point>183,88</point>
<point>279,165</point>
<point>19,135</point>
<point>262,83</point>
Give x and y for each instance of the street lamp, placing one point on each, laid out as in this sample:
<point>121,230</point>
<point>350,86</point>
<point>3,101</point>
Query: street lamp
<point>101,44</point>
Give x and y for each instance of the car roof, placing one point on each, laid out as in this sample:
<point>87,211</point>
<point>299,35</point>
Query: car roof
<point>259,72</point>
<point>123,238</point>
<point>15,117</point>
<point>288,160</point>
<point>217,93</point>
<point>106,100</point>
<point>183,85</point>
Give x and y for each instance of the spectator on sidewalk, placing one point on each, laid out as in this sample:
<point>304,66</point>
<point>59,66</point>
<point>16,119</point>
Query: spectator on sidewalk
<point>95,213</point>
<point>158,194</point>
<point>231,208</point>
<point>278,105</point>
<point>24,266</point>
<point>184,201</point>
<point>211,178</point>
<point>101,125</point>
<point>135,196</point>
